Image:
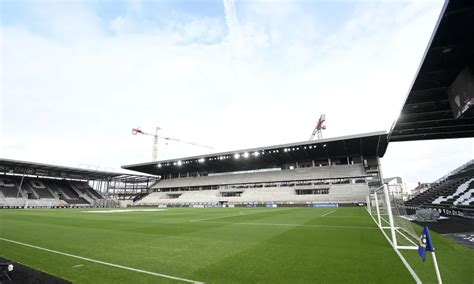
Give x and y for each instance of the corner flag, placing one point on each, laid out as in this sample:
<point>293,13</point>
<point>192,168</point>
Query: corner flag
<point>425,243</point>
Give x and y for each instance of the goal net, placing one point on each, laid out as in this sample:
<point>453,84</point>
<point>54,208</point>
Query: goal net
<point>390,215</point>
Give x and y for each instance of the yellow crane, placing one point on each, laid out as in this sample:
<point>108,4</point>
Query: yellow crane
<point>137,130</point>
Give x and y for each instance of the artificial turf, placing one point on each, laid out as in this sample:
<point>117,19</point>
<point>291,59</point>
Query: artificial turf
<point>221,245</point>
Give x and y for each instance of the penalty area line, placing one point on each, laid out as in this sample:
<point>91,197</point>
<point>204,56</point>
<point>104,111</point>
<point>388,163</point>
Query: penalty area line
<point>290,225</point>
<point>328,213</point>
<point>102,262</point>
<point>235,215</point>
<point>79,265</point>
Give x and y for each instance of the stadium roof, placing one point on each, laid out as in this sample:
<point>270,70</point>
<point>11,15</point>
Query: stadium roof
<point>427,112</point>
<point>54,171</point>
<point>368,144</point>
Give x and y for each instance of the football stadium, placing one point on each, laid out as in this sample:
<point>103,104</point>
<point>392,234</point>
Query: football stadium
<point>314,211</point>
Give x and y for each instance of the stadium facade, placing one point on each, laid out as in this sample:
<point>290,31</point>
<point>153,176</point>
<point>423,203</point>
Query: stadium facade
<point>328,171</point>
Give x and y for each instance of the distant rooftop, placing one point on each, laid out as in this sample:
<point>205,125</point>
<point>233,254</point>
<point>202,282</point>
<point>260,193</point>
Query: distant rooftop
<point>8,166</point>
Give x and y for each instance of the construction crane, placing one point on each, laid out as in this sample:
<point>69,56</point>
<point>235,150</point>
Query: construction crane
<point>320,126</point>
<point>137,130</point>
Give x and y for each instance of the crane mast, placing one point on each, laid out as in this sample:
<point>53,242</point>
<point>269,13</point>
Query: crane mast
<point>154,155</point>
<point>320,126</point>
<point>137,130</point>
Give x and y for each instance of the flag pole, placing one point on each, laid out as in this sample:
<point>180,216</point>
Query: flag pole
<point>438,274</point>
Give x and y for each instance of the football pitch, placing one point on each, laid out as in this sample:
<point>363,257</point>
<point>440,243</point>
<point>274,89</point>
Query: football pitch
<point>219,245</point>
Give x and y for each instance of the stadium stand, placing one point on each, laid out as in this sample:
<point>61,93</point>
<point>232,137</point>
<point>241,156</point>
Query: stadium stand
<point>28,184</point>
<point>85,189</point>
<point>451,194</point>
<point>439,105</point>
<point>39,188</point>
<point>351,193</point>
<point>44,192</point>
<point>9,188</point>
<point>338,170</point>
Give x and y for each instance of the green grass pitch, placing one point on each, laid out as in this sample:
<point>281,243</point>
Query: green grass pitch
<point>221,245</point>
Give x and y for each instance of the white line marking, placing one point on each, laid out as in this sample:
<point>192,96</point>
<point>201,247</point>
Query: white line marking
<point>79,265</point>
<point>328,213</point>
<point>102,262</point>
<point>347,216</point>
<point>123,210</point>
<point>288,225</point>
<point>407,265</point>
<point>240,214</point>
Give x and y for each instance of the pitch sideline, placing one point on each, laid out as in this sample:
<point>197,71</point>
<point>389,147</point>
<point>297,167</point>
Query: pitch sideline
<point>102,262</point>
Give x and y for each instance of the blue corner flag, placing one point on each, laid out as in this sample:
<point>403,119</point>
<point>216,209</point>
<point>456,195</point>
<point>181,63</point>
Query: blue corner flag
<point>425,243</point>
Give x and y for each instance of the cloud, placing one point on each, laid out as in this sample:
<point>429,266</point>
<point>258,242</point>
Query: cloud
<point>72,91</point>
<point>201,30</point>
<point>426,161</point>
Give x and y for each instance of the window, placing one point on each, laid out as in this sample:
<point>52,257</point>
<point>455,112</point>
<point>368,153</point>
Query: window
<point>312,191</point>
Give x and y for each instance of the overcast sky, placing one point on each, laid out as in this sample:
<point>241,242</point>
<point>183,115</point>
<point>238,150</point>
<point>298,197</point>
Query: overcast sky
<point>76,76</point>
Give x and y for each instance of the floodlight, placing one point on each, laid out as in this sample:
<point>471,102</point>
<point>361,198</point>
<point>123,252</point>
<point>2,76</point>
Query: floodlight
<point>201,160</point>
<point>236,156</point>
<point>179,163</point>
<point>256,154</point>
<point>159,165</point>
<point>246,155</point>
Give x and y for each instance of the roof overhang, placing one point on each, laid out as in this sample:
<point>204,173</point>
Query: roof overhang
<point>16,167</point>
<point>368,144</point>
<point>427,112</point>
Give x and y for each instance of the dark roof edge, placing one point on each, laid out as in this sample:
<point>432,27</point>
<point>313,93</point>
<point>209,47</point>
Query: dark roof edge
<point>67,168</point>
<point>326,140</point>
<point>433,34</point>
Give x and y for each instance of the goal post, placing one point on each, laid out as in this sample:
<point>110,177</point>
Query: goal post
<point>389,213</point>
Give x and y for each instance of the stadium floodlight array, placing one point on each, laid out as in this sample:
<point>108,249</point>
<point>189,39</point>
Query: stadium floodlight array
<point>389,214</point>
